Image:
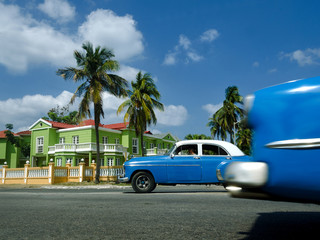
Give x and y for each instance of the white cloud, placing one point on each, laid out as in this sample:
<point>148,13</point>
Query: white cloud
<point>23,112</point>
<point>184,42</point>
<point>194,56</point>
<point>212,108</point>
<point>27,42</point>
<point>306,57</point>
<point>128,73</point>
<point>170,59</point>
<point>256,64</point>
<point>209,35</point>
<point>59,10</point>
<point>183,48</point>
<point>273,70</point>
<point>105,28</point>
<point>24,41</point>
<point>172,115</point>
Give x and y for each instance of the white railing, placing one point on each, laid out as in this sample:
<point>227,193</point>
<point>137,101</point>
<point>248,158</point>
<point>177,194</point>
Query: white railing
<point>15,174</point>
<point>65,147</point>
<point>38,173</point>
<point>74,172</point>
<point>61,172</point>
<point>162,151</point>
<point>156,151</point>
<point>69,147</point>
<point>88,172</point>
<point>51,149</point>
<point>85,147</point>
<point>51,174</point>
<point>112,148</point>
<point>111,172</point>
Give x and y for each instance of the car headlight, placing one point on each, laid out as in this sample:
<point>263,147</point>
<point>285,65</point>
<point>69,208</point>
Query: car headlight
<point>219,175</point>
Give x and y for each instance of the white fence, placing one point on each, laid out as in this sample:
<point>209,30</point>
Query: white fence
<point>52,174</point>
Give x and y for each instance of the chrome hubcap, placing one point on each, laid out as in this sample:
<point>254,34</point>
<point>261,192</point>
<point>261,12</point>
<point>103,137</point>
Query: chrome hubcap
<point>143,182</point>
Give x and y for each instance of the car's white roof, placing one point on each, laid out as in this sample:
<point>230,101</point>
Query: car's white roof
<point>232,149</point>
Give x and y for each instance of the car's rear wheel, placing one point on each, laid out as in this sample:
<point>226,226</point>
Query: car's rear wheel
<point>143,182</point>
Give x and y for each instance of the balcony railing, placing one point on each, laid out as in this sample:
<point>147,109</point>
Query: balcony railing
<point>156,151</point>
<point>85,147</point>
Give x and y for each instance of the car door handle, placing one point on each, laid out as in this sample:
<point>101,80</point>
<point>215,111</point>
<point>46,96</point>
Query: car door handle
<point>228,158</point>
<point>196,157</point>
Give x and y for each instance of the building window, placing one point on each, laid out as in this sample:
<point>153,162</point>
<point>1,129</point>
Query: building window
<point>118,162</point>
<point>135,149</point>
<point>62,140</point>
<point>39,145</point>
<point>101,162</point>
<point>159,145</point>
<point>69,160</point>
<point>105,140</point>
<point>151,145</point>
<point>59,162</point>
<point>75,139</point>
<point>110,162</point>
<point>117,141</point>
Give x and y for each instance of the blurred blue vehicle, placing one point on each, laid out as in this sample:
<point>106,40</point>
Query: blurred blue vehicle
<point>286,145</point>
<point>188,162</point>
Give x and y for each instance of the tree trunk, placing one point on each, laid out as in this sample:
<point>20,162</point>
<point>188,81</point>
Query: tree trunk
<point>98,163</point>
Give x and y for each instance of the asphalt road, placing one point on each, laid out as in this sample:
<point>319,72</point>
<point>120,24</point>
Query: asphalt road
<point>181,212</point>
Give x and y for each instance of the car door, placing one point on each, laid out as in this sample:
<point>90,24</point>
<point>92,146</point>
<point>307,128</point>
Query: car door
<point>212,156</point>
<point>185,165</point>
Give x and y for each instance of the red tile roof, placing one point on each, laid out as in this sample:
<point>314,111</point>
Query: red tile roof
<point>24,133</point>
<point>88,122</point>
<point>61,125</point>
<point>117,126</point>
<point>3,134</point>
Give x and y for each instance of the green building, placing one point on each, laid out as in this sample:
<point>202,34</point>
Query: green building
<point>11,154</point>
<point>71,143</point>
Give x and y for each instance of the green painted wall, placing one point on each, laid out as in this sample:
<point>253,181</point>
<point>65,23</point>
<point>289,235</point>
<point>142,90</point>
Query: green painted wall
<point>11,154</point>
<point>3,148</point>
<point>85,136</point>
<point>40,125</point>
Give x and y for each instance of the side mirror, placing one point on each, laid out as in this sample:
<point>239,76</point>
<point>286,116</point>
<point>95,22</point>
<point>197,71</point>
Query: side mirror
<point>172,155</point>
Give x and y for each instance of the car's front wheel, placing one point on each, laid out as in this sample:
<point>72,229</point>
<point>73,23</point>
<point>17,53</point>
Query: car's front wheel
<point>143,182</point>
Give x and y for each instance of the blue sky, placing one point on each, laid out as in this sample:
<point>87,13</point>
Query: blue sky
<point>193,49</point>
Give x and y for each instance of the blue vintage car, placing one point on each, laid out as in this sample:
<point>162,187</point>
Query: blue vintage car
<point>286,145</point>
<point>188,162</point>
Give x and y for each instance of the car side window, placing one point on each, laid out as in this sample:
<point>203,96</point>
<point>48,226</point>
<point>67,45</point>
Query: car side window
<point>184,150</point>
<point>209,149</point>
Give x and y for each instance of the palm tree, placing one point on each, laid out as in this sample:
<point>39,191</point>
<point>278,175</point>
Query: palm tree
<point>216,126</point>
<point>224,119</point>
<point>196,136</point>
<point>143,98</point>
<point>244,136</point>
<point>93,68</point>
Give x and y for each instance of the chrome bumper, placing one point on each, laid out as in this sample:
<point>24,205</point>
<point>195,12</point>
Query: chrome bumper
<point>247,174</point>
<point>123,179</point>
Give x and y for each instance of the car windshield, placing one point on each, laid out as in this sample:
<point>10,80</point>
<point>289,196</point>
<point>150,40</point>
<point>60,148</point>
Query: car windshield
<point>171,150</point>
